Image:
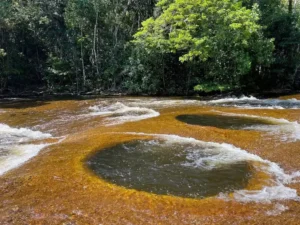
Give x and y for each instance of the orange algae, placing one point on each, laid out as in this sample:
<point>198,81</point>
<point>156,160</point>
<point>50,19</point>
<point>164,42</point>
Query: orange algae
<point>56,188</point>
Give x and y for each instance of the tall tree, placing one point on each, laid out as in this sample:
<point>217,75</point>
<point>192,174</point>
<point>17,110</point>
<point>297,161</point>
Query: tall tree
<point>223,35</point>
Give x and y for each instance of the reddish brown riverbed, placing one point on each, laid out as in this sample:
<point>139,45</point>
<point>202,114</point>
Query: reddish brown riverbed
<point>56,187</point>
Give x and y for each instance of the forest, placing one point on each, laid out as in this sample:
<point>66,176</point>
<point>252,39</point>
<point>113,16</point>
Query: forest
<point>152,47</point>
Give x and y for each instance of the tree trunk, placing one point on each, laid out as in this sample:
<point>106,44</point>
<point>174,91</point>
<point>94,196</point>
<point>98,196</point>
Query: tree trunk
<point>82,61</point>
<point>290,6</point>
<point>94,42</point>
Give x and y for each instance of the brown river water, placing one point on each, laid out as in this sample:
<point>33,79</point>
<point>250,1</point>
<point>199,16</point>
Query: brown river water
<point>150,161</point>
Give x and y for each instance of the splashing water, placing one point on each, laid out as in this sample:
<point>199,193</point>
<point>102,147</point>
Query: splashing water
<point>287,131</point>
<point>255,103</point>
<point>165,168</point>
<point>210,156</point>
<point>119,113</point>
<point>278,209</point>
<point>15,146</point>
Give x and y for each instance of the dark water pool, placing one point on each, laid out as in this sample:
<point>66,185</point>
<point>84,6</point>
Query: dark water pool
<point>160,167</point>
<point>224,122</point>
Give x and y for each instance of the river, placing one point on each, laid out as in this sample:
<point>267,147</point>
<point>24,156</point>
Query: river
<point>129,160</point>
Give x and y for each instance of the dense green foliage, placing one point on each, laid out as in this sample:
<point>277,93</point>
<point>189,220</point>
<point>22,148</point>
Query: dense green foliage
<point>149,46</point>
<point>213,87</point>
<point>222,36</point>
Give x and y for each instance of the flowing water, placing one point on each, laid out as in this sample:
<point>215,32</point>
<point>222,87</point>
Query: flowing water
<point>150,161</point>
<point>170,168</point>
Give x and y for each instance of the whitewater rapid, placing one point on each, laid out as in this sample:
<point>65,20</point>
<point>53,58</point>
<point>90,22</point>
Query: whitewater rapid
<point>255,103</point>
<point>119,113</point>
<point>287,131</point>
<point>132,110</point>
<point>222,154</point>
<point>17,147</point>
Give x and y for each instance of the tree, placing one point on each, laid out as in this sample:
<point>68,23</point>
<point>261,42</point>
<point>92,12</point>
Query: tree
<point>280,20</point>
<point>80,46</point>
<point>223,36</point>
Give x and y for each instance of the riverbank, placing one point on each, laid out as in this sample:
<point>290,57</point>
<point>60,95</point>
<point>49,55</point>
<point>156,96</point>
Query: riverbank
<point>57,187</point>
<point>45,96</point>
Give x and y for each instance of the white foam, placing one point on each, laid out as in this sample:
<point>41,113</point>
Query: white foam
<point>278,209</point>
<point>233,99</point>
<point>255,103</point>
<point>14,150</point>
<point>239,102</point>
<point>267,194</point>
<point>228,154</point>
<point>18,155</point>
<point>163,103</point>
<point>287,130</point>
<point>10,135</point>
<point>119,113</point>
<point>16,99</point>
